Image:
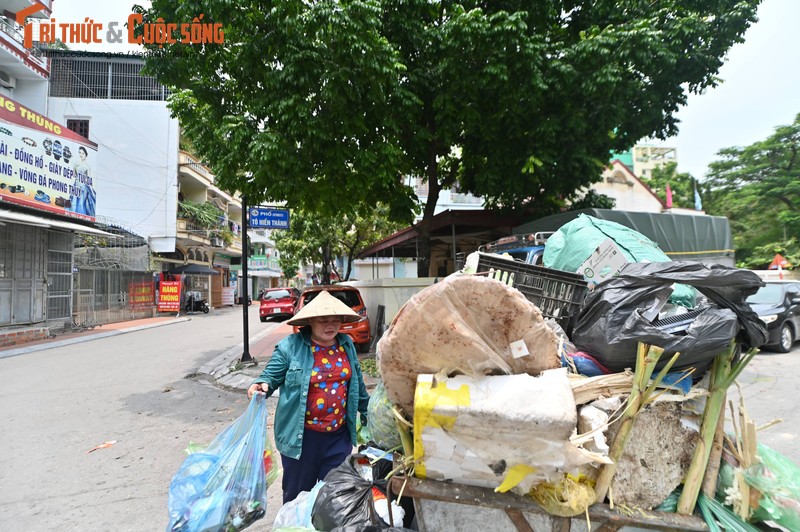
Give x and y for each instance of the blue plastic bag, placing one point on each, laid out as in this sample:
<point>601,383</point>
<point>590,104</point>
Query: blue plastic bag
<point>223,488</point>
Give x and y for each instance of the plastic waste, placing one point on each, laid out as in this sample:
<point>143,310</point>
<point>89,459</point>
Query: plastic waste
<point>296,514</point>
<point>223,488</point>
<point>778,480</point>
<point>381,421</point>
<point>611,322</point>
<point>346,498</point>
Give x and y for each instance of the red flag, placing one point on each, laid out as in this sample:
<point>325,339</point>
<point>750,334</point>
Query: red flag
<point>669,197</point>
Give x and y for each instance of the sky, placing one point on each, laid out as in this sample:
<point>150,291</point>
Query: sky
<point>760,89</point>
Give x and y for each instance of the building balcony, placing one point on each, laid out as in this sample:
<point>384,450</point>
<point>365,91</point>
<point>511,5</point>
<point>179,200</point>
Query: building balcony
<point>17,60</point>
<point>197,235</point>
<point>190,234</point>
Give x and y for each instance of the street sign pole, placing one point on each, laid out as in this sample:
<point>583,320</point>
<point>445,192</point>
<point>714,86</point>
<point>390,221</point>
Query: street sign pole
<point>246,358</point>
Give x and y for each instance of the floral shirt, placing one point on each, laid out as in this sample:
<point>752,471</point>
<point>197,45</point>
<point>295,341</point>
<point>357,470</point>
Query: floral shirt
<point>327,391</point>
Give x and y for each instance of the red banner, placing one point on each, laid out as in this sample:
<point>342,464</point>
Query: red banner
<point>141,295</point>
<point>169,296</point>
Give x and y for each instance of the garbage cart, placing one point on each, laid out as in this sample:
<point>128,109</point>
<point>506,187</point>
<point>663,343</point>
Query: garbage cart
<point>444,506</point>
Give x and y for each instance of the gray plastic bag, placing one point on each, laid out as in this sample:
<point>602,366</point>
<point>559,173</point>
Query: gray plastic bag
<point>610,324</point>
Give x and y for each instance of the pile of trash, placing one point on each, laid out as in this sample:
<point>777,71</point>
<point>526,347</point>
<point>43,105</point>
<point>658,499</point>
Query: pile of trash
<point>531,382</point>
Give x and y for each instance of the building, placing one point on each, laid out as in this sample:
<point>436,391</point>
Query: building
<point>39,171</point>
<point>107,130</point>
<point>629,193</point>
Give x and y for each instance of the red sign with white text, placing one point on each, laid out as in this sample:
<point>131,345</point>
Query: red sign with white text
<point>141,295</point>
<point>169,296</point>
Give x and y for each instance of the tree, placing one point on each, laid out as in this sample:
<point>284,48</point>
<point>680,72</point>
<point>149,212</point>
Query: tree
<point>680,183</point>
<point>518,102</point>
<point>758,188</point>
<point>592,200</point>
<point>321,239</point>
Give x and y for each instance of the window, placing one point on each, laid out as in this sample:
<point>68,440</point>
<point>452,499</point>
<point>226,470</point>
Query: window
<point>101,77</point>
<point>81,127</point>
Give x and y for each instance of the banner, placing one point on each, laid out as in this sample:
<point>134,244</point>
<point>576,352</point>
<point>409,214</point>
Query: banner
<point>169,296</point>
<point>141,295</point>
<point>228,296</point>
<point>44,165</point>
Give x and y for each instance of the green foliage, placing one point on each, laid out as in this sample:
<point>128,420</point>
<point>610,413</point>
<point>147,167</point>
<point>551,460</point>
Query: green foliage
<point>519,102</point>
<point>206,215</point>
<point>370,367</point>
<point>592,200</point>
<point>289,267</point>
<point>682,185</point>
<point>758,188</point>
<point>319,239</point>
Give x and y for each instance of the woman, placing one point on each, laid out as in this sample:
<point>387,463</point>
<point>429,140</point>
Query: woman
<point>322,392</point>
<point>83,198</point>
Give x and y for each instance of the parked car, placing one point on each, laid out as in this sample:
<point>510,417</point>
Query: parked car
<point>279,302</point>
<point>359,331</point>
<point>778,306</point>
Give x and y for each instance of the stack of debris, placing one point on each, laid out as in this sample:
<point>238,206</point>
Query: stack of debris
<point>613,396</point>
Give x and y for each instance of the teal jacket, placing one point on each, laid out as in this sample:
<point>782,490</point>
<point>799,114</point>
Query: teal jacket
<point>290,370</point>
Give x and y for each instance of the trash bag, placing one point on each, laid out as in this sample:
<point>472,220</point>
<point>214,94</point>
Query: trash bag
<point>223,488</point>
<point>346,497</point>
<point>778,480</point>
<point>297,513</point>
<point>611,323</point>
<point>381,421</point>
<point>575,241</point>
<point>272,466</point>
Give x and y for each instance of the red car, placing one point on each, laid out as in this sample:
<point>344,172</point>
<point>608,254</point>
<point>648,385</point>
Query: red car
<point>279,302</point>
<point>359,331</point>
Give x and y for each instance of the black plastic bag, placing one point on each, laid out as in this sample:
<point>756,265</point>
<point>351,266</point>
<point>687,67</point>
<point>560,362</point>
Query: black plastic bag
<point>346,499</point>
<point>610,324</point>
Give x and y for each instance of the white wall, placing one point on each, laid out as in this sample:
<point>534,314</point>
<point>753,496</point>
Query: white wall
<point>391,293</point>
<point>32,93</point>
<point>137,162</point>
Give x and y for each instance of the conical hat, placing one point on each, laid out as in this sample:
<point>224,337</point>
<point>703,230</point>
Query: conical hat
<point>324,305</point>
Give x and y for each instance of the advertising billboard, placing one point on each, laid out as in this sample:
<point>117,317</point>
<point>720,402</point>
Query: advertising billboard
<point>44,165</point>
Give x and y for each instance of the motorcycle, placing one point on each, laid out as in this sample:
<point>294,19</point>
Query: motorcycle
<point>196,303</point>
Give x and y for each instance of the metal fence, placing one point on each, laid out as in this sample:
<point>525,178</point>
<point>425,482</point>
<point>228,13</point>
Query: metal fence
<point>108,296</point>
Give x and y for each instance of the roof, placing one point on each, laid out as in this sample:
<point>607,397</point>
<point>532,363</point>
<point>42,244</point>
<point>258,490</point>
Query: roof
<point>618,163</point>
<point>469,228</point>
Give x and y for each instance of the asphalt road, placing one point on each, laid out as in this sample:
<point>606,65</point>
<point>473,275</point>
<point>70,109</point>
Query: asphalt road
<point>137,389</point>
<point>772,391</point>
<point>133,388</point>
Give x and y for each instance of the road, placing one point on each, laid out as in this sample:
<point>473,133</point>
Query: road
<point>771,391</point>
<point>137,389</point>
<point>59,403</point>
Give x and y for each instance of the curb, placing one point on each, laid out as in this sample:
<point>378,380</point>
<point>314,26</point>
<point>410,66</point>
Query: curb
<point>87,338</point>
<point>220,368</point>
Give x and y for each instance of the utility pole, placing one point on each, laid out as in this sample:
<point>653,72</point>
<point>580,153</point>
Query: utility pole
<point>246,358</point>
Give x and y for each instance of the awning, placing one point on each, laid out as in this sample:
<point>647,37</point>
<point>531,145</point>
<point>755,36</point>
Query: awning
<point>467,228</point>
<point>260,273</point>
<point>38,221</point>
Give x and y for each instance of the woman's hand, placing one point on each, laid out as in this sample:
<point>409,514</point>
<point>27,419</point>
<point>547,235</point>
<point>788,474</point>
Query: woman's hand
<point>261,387</point>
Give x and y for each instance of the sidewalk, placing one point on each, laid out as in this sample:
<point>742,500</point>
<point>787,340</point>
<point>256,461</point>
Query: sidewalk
<point>101,331</point>
<point>227,370</point>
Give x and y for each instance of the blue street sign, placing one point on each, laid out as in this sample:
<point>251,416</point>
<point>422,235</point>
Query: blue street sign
<point>268,218</point>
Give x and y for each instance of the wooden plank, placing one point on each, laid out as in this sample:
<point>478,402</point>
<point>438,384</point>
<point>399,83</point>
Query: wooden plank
<point>487,498</point>
<point>519,520</point>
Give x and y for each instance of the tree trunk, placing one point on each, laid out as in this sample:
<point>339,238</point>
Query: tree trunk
<point>349,268</point>
<point>424,238</point>
<point>326,264</point>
